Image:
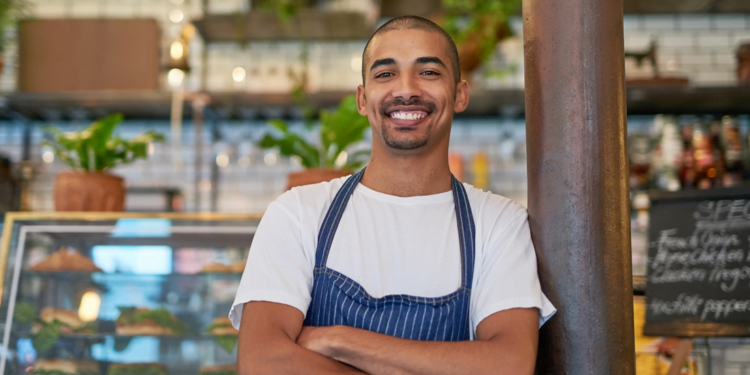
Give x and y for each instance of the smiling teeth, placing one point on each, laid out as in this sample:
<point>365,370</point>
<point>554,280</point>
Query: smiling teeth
<point>406,116</point>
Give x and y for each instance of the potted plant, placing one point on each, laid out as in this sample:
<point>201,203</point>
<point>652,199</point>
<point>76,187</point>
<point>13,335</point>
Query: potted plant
<point>477,26</point>
<point>92,153</point>
<point>10,11</point>
<point>338,131</point>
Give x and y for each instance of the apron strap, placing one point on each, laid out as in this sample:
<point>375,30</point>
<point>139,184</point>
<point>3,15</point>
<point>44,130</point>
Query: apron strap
<point>466,232</point>
<point>333,217</point>
<point>464,217</point>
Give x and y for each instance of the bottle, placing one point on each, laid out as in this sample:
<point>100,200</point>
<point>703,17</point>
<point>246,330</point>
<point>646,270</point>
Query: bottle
<point>480,170</point>
<point>456,165</point>
<point>687,173</point>
<point>732,146</point>
<point>669,157</point>
<point>639,155</point>
<point>703,156</point>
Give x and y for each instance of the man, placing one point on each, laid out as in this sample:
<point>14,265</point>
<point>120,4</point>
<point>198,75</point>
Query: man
<point>398,269</point>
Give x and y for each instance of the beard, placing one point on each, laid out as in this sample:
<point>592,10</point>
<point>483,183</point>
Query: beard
<point>403,139</point>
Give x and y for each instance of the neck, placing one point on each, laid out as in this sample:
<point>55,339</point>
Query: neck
<point>408,175</point>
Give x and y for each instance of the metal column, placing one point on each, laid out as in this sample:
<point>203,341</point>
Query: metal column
<point>578,193</point>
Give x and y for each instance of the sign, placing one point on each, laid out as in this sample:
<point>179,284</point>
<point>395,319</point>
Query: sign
<point>698,277</point>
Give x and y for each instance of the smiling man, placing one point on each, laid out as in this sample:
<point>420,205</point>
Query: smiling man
<point>400,268</point>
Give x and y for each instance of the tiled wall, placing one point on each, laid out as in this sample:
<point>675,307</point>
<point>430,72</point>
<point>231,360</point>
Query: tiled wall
<point>253,178</point>
<point>700,47</point>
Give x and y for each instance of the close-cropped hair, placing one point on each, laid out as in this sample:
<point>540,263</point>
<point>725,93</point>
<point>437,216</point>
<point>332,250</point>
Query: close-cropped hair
<point>415,23</point>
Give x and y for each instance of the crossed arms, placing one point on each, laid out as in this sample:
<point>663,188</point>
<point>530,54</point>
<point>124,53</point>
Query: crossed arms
<point>273,341</point>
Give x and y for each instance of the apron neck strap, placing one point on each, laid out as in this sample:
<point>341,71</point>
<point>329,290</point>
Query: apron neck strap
<point>464,218</point>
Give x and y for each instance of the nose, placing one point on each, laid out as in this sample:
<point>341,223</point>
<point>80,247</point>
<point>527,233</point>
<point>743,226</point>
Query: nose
<point>407,87</point>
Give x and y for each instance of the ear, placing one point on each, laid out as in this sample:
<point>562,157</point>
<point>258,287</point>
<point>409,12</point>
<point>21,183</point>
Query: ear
<point>462,97</point>
<point>361,101</point>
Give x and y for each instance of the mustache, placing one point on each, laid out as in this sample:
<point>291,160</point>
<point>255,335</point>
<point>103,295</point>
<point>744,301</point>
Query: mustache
<point>386,106</point>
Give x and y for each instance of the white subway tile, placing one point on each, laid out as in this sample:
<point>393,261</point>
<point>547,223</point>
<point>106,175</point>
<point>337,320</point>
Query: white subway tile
<point>49,9</point>
<point>724,58</point>
<point>659,22</point>
<point>637,41</point>
<point>740,37</point>
<point>729,21</point>
<point>676,40</point>
<point>713,79</point>
<point>632,22</point>
<point>714,40</point>
<point>693,22</point>
<point>694,59</point>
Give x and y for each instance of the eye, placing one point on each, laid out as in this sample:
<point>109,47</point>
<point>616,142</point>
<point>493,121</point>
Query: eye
<point>384,75</point>
<point>430,73</point>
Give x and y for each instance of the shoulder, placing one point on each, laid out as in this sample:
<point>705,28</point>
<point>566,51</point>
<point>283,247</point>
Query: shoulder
<point>301,201</point>
<point>493,208</point>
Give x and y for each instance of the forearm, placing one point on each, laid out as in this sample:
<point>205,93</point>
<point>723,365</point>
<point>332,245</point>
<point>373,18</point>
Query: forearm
<point>377,354</point>
<point>286,357</point>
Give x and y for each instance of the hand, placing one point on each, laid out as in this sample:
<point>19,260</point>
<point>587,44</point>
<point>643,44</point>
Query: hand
<point>317,339</point>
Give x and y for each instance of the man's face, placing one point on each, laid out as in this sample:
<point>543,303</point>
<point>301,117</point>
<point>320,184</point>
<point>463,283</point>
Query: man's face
<point>410,94</point>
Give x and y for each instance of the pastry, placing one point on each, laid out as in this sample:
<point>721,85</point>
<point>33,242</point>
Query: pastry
<point>145,322</point>
<point>64,367</point>
<point>65,260</point>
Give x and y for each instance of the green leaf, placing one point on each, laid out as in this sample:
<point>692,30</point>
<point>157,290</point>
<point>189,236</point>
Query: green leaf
<point>96,148</point>
<point>47,336</point>
<point>227,342</point>
<point>24,313</point>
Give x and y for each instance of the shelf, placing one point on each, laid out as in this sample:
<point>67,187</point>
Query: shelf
<point>308,24</point>
<point>642,100</point>
<point>102,336</point>
<point>685,6</point>
<point>129,277</point>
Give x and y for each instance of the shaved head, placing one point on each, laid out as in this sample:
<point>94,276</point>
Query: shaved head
<point>415,23</point>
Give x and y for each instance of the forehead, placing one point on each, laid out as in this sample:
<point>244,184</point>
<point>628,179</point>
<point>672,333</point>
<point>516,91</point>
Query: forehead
<point>407,45</point>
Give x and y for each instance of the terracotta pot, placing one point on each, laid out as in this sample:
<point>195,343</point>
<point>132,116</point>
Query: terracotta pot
<point>84,191</point>
<point>313,176</point>
<point>743,65</point>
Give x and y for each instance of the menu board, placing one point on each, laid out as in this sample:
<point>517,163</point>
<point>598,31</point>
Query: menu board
<point>698,277</point>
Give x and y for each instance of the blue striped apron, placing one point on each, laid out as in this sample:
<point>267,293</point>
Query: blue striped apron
<point>337,299</point>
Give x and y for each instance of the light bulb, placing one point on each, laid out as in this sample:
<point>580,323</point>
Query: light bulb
<point>89,309</point>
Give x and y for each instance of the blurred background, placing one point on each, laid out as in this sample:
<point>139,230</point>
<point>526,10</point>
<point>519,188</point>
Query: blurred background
<point>213,76</point>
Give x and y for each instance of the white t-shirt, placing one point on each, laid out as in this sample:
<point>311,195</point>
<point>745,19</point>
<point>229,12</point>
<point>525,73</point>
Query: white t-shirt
<point>394,245</point>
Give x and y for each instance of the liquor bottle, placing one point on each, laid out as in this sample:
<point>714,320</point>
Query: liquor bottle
<point>456,165</point>
<point>639,156</point>
<point>668,154</point>
<point>732,146</point>
<point>716,139</point>
<point>480,170</point>
<point>687,173</point>
<point>704,164</point>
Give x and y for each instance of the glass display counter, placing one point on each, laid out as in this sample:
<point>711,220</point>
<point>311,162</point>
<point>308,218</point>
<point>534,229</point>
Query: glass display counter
<point>120,293</point>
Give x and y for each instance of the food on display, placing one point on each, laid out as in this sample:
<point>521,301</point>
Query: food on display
<point>222,326</point>
<point>236,267</point>
<point>67,321</point>
<point>64,367</point>
<point>67,260</point>
<point>145,322</point>
<point>151,368</point>
<point>224,333</point>
<point>218,370</point>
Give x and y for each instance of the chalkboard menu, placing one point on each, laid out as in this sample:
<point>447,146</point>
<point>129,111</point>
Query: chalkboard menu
<point>698,278</point>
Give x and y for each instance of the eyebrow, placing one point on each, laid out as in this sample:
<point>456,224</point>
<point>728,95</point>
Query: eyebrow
<point>382,62</point>
<point>431,60</point>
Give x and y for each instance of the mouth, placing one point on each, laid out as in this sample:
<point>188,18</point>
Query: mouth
<point>405,116</point>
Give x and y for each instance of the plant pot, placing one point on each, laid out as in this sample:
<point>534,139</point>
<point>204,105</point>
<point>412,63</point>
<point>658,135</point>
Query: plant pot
<point>84,191</point>
<point>313,176</point>
<point>743,65</point>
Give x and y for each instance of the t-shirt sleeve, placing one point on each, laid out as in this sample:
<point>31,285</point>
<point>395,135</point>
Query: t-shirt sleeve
<point>278,268</point>
<point>509,277</point>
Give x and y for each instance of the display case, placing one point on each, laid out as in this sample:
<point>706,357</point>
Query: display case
<point>120,293</point>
